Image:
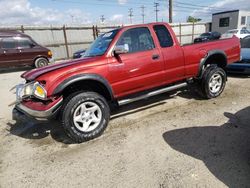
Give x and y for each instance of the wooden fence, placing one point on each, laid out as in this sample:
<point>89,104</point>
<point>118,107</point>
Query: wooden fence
<point>65,40</point>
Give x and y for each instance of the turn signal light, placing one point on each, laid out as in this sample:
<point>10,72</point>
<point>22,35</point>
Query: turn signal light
<point>49,53</point>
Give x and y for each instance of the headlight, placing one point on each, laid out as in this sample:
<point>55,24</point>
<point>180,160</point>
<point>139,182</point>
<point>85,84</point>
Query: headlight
<point>33,88</point>
<point>28,89</point>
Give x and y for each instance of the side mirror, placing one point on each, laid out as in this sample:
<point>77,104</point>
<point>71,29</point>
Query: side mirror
<point>121,49</point>
<point>32,45</point>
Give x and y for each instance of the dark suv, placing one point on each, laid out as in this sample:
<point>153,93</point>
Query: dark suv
<point>18,49</point>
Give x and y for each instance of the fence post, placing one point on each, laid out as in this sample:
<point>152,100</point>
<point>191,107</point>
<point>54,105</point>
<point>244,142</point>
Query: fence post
<point>93,29</point>
<point>180,32</point>
<point>193,32</point>
<point>22,28</point>
<point>66,41</point>
<point>96,31</point>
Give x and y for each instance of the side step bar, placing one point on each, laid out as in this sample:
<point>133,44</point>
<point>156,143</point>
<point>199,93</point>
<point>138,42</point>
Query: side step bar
<point>152,93</point>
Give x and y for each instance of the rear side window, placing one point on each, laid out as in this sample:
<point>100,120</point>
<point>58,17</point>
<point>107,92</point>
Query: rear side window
<point>24,43</point>
<point>8,43</point>
<point>163,36</point>
<point>137,40</point>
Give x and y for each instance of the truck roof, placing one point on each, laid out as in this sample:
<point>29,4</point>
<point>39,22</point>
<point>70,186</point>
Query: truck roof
<point>145,25</point>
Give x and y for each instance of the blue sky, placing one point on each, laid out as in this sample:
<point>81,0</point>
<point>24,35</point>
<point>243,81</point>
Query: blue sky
<point>56,12</point>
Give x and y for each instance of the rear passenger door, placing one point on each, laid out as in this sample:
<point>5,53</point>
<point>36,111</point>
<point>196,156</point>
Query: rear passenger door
<point>9,56</point>
<point>172,53</point>
<point>141,68</point>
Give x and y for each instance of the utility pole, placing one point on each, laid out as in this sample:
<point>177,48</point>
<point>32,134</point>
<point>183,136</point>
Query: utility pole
<point>156,11</point>
<point>170,11</point>
<point>102,18</point>
<point>130,14</point>
<point>142,13</point>
<point>72,18</point>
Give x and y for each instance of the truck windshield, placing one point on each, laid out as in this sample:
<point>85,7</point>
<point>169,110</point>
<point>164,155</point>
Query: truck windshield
<point>101,44</point>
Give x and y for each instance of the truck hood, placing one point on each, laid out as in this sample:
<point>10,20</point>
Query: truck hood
<point>33,74</point>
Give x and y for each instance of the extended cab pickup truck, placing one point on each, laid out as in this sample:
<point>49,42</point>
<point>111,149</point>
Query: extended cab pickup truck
<point>122,66</point>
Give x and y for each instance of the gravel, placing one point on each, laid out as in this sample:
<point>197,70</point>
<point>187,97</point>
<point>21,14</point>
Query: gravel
<point>172,140</point>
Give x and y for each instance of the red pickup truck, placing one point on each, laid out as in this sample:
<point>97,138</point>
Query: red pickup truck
<point>122,66</point>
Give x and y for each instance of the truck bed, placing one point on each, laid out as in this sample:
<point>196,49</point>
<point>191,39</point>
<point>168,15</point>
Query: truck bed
<point>193,53</point>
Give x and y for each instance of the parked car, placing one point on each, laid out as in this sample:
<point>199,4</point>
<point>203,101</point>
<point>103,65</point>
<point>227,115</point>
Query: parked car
<point>242,66</point>
<point>207,37</point>
<point>18,49</point>
<point>240,33</point>
<point>122,66</point>
<point>79,54</point>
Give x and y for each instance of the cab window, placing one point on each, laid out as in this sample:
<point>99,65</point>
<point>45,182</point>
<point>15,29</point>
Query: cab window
<point>163,35</point>
<point>137,40</point>
<point>8,43</point>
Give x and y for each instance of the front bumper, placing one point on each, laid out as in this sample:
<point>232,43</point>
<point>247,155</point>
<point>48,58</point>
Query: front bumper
<point>36,111</point>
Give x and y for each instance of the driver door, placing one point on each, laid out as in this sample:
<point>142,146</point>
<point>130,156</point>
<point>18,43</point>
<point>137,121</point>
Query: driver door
<point>142,67</point>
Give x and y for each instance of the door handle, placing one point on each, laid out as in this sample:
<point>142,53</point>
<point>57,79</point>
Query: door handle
<point>155,56</point>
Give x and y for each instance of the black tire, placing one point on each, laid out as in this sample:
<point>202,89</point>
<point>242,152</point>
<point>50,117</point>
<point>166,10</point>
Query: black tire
<point>72,103</point>
<point>211,72</point>
<point>41,62</point>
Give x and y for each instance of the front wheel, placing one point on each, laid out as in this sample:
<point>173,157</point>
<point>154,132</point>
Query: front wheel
<point>41,62</point>
<point>85,116</point>
<point>213,82</point>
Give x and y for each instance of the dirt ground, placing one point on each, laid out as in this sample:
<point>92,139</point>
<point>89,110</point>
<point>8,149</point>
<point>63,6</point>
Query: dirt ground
<point>172,140</point>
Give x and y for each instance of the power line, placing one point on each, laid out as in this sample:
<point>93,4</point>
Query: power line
<point>143,14</point>
<point>201,6</point>
<point>130,14</point>
<point>156,11</point>
<point>195,6</point>
<point>114,4</point>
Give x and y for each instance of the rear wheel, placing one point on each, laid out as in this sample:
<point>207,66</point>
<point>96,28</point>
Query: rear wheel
<point>213,82</point>
<point>41,62</point>
<point>85,116</point>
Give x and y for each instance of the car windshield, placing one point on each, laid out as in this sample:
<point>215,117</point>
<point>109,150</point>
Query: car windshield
<point>245,31</point>
<point>232,31</point>
<point>101,44</point>
<point>245,42</point>
<point>205,35</point>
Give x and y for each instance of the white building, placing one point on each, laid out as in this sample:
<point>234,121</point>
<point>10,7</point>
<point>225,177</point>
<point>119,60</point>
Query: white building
<point>234,19</point>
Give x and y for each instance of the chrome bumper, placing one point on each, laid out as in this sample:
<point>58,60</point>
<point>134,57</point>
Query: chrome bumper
<point>35,113</point>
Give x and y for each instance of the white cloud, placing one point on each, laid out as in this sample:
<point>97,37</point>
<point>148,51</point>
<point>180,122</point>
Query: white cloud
<point>117,19</point>
<point>220,6</point>
<point>122,2</point>
<point>17,12</point>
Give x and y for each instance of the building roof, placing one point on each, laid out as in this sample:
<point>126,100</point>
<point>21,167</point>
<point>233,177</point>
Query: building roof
<point>226,12</point>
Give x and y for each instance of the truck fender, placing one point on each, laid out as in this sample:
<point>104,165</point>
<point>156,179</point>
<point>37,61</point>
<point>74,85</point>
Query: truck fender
<point>82,77</point>
<point>204,60</point>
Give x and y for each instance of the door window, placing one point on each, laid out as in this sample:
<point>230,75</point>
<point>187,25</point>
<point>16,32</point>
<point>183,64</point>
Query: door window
<point>24,43</point>
<point>137,40</point>
<point>163,36</point>
<point>8,43</point>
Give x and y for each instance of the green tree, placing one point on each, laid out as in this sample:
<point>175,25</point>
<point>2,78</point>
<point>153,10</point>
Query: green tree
<point>193,19</point>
